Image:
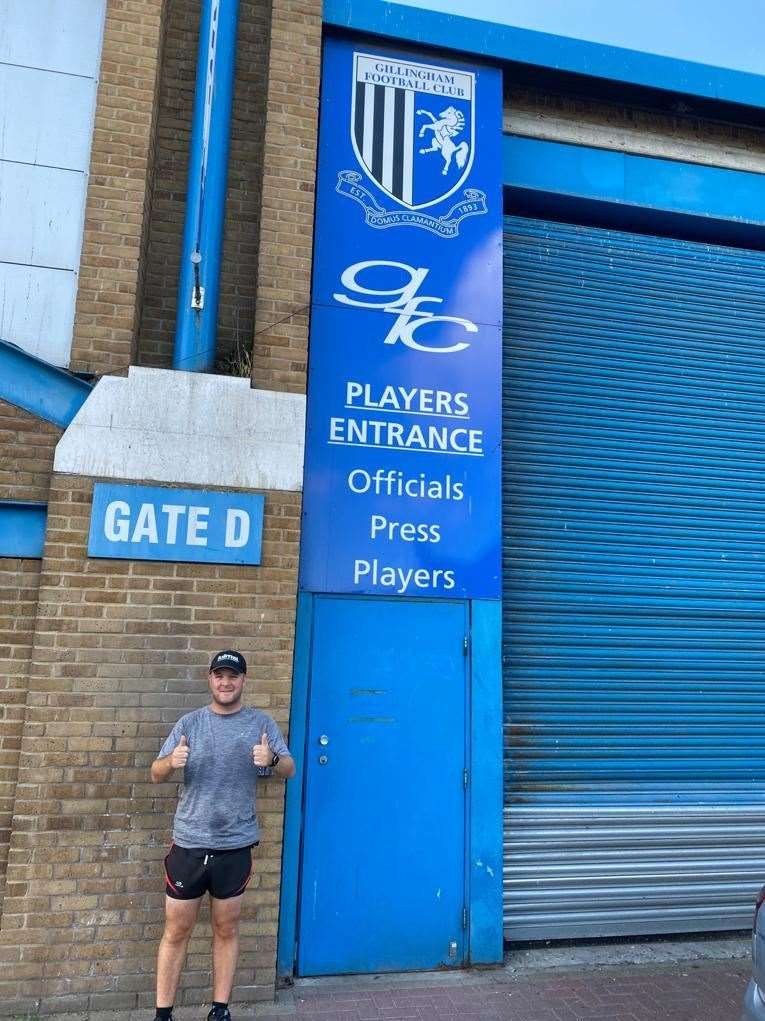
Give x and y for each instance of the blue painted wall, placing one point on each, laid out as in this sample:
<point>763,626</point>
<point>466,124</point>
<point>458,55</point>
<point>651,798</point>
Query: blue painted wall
<point>22,529</point>
<point>557,176</point>
<point>484,873</point>
<point>663,196</point>
<point>486,772</point>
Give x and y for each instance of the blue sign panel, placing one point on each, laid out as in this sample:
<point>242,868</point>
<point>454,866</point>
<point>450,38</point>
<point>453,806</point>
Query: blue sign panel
<point>402,485</point>
<point>189,525</point>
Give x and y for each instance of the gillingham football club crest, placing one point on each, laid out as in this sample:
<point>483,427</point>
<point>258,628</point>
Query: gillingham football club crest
<point>412,128</point>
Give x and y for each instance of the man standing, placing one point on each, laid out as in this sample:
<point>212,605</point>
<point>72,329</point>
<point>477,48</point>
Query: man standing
<point>222,749</point>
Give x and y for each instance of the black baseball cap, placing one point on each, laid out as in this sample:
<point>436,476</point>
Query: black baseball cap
<point>229,659</point>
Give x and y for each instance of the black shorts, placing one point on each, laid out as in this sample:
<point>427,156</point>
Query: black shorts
<point>191,872</point>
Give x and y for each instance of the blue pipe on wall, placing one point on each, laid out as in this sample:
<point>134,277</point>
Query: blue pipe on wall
<point>196,320</point>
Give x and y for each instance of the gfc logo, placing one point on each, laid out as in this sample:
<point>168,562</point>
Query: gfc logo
<point>403,302</point>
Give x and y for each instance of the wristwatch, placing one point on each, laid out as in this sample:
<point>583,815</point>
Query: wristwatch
<point>274,761</point>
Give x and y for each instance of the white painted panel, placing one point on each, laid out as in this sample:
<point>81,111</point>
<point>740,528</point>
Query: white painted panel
<point>41,213</point>
<point>165,426</point>
<point>50,55</point>
<point>45,117</point>
<point>57,35</point>
<point>37,310</point>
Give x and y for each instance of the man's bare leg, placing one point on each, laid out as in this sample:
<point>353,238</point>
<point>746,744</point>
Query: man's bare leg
<point>225,925</point>
<point>180,916</point>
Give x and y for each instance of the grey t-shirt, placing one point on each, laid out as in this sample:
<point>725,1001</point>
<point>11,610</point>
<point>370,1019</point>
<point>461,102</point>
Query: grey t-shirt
<point>216,807</point>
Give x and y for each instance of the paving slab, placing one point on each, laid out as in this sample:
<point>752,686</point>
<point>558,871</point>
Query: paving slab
<point>695,980</point>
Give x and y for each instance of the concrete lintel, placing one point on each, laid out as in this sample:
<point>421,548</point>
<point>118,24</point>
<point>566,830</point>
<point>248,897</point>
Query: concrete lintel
<point>181,427</point>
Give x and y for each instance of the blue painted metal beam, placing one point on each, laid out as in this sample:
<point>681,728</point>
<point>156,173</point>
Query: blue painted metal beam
<point>665,196</point>
<point>196,320</point>
<point>293,811</point>
<point>38,387</point>
<point>486,765</point>
<point>22,529</point>
<point>541,49</point>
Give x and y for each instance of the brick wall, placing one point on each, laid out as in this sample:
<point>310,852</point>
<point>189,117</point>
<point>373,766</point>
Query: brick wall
<point>120,651</point>
<point>236,312</point>
<point>27,446</point>
<point>26,457</point>
<point>286,231</point>
<point>18,607</point>
<point>109,291</point>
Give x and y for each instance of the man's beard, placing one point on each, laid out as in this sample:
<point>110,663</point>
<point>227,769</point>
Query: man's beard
<point>226,697</point>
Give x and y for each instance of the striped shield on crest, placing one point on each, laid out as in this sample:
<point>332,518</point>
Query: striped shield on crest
<point>412,127</point>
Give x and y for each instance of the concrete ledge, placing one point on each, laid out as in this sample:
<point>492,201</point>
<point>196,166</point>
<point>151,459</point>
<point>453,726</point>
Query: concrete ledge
<point>165,426</point>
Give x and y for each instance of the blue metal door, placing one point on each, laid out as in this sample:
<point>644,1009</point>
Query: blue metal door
<point>383,864</point>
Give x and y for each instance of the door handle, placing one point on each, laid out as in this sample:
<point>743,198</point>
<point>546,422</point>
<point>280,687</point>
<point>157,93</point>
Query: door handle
<point>324,740</point>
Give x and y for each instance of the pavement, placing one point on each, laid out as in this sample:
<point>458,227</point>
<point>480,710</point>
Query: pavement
<point>694,980</point>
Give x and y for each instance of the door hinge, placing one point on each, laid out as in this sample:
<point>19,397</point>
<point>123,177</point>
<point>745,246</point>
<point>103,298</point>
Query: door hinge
<point>466,645</point>
<point>465,778</point>
<point>464,918</point>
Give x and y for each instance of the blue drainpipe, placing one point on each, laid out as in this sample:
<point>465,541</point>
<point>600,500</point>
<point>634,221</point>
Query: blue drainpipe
<point>195,329</point>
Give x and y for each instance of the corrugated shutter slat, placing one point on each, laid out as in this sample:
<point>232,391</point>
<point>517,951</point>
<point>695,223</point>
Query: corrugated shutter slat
<point>634,590</point>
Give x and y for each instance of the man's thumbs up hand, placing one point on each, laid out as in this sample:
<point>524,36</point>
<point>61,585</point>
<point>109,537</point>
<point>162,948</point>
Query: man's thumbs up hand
<point>180,754</point>
<point>261,753</point>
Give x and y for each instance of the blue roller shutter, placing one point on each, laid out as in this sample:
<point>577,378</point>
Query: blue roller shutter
<point>634,582</point>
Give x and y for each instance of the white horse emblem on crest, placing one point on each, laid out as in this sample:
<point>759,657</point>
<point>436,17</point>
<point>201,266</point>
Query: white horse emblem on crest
<point>448,125</point>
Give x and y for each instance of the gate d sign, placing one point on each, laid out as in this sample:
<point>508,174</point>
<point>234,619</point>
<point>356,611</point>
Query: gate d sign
<point>188,525</point>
